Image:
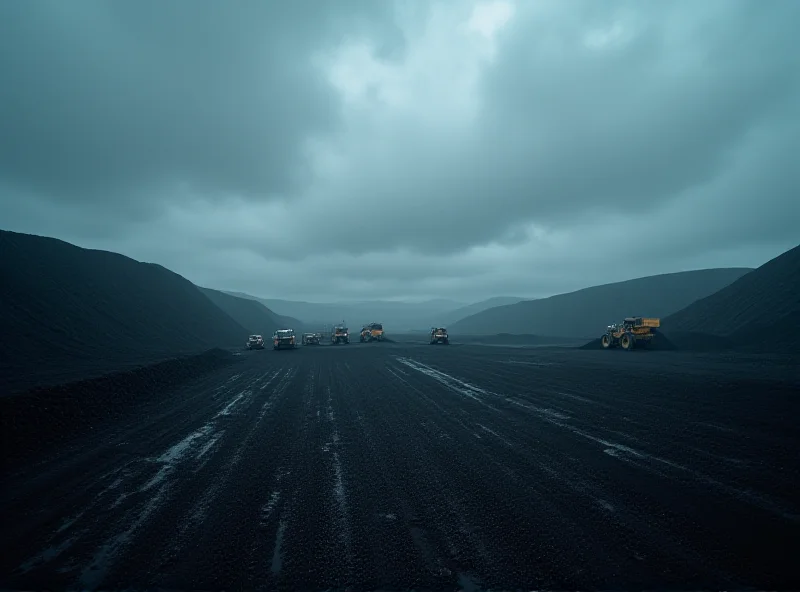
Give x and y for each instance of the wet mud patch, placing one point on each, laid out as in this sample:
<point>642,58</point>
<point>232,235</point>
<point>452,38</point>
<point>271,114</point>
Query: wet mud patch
<point>42,419</point>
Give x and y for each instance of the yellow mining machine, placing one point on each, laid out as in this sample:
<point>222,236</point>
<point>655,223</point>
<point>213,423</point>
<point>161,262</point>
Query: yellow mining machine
<point>371,332</point>
<point>631,333</point>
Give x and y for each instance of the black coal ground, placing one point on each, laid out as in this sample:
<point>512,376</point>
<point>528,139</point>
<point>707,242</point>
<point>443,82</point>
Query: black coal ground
<point>399,465</point>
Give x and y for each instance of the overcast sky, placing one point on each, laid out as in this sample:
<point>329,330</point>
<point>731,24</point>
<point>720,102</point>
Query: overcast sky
<point>357,149</point>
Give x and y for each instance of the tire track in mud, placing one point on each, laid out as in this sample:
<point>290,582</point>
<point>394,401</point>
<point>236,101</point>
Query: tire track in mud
<point>381,522</point>
<point>493,531</point>
<point>575,421</point>
<point>558,503</point>
<point>112,518</point>
<point>67,471</point>
<point>426,502</point>
<point>79,498</point>
<point>220,501</point>
<point>180,472</point>
<point>306,553</point>
<point>414,467</point>
<point>650,506</point>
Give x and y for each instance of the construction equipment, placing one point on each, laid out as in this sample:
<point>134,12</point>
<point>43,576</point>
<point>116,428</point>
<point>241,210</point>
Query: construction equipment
<point>439,335</point>
<point>631,333</point>
<point>255,342</point>
<point>340,334</point>
<point>371,332</point>
<point>310,339</point>
<point>283,339</point>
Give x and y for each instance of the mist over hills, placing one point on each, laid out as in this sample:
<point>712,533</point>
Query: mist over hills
<point>251,314</point>
<point>395,315</point>
<point>471,309</point>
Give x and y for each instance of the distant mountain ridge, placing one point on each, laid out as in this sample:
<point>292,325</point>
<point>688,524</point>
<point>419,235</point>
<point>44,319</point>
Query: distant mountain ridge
<point>585,313</point>
<point>251,314</point>
<point>471,309</point>
<point>397,316</point>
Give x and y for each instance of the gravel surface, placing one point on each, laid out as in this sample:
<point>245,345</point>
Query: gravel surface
<point>395,466</point>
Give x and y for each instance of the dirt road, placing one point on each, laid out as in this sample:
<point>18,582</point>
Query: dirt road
<point>401,465</point>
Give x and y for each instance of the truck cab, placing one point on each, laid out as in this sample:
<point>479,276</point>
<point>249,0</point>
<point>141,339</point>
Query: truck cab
<point>283,339</point>
<point>340,334</point>
<point>310,339</point>
<point>255,342</point>
<point>439,335</point>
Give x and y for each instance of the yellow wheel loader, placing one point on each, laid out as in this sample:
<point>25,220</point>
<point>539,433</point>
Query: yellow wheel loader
<point>631,333</point>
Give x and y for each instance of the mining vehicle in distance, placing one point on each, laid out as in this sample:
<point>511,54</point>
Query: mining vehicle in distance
<point>631,333</point>
<point>439,335</point>
<point>371,332</point>
<point>255,342</point>
<point>340,334</point>
<point>310,339</point>
<point>283,339</point>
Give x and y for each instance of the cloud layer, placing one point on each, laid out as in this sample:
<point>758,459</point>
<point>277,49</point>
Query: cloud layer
<point>404,149</point>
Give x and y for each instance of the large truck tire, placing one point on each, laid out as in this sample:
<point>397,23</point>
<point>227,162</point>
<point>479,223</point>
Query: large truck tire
<point>628,342</point>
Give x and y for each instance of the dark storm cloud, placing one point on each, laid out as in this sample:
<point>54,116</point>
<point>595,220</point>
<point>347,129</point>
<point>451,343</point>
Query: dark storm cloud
<point>381,149</point>
<point>625,128</point>
<point>121,101</point>
<point>570,128</point>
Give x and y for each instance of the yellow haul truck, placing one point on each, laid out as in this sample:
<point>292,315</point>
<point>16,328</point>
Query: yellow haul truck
<point>371,332</point>
<point>631,333</point>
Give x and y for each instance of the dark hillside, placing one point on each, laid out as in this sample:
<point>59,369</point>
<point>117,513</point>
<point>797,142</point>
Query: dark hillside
<point>71,313</point>
<point>585,313</point>
<point>456,315</point>
<point>759,312</point>
<point>251,314</point>
<point>759,299</point>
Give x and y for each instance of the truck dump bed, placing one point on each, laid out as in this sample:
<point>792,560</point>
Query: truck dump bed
<point>643,322</point>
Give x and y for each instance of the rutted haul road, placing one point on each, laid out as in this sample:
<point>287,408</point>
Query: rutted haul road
<point>401,465</point>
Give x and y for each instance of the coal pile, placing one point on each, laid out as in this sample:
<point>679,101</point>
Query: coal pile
<point>659,343</point>
<point>71,313</point>
<point>42,418</point>
<point>700,342</point>
<point>780,336</point>
<point>755,309</point>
